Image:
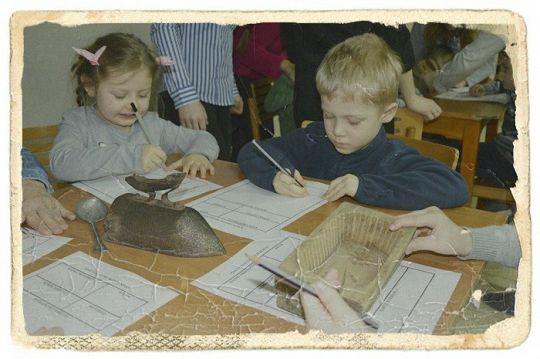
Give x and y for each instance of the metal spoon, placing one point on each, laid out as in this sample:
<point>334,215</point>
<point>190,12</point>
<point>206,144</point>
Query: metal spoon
<point>93,210</point>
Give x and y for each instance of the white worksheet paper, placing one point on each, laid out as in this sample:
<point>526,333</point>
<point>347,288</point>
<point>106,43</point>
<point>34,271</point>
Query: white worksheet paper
<point>110,187</point>
<point>246,210</point>
<point>83,295</point>
<point>462,94</point>
<point>412,301</point>
<point>36,245</point>
<point>240,281</point>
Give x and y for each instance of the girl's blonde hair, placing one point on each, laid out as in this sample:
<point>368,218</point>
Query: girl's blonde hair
<point>360,68</point>
<point>124,53</point>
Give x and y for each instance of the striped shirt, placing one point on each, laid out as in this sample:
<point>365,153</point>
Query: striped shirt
<point>202,68</point>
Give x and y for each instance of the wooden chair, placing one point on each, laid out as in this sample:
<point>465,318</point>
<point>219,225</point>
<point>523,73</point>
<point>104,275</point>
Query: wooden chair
<point>408,124</point>
<point>39,140</point>
<point>445,154</point>
<point>259,89</point>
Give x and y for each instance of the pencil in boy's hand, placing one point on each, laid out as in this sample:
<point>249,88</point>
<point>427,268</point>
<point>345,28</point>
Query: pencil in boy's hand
<point>295,282</point>
<point>267,155</point>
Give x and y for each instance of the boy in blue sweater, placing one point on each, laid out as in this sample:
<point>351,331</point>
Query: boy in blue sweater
<point>358,82</point>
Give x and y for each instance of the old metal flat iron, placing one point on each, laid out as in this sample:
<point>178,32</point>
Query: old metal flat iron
<point>159,225</point>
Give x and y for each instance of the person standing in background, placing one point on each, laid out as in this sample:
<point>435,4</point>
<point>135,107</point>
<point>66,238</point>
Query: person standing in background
<point>257,53</point>
<point>200,84</point>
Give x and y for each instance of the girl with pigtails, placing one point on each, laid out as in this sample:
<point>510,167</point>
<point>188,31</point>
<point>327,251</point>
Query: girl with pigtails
<point>114,130</point>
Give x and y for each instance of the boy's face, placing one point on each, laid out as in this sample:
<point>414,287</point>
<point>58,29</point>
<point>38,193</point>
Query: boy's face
<point>352,125</point>
<point>115,94</point>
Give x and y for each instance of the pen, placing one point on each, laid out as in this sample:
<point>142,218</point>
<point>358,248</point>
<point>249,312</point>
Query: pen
<point>295,282</point>
<point>275,162</point>
<point>139,118</point>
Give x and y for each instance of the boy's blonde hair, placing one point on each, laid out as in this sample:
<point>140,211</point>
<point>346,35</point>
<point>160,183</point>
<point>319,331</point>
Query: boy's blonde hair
<point>124,53</point>
<point>361,68</point>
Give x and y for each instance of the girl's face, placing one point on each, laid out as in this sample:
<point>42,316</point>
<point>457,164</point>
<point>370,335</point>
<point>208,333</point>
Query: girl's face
<point>115,94</point>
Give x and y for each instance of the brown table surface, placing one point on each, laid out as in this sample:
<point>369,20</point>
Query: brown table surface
<point>195,311</point>
<point>464,121</point>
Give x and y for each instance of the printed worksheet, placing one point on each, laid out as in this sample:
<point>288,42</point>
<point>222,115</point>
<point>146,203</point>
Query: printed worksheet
<point>246,210</point>
<point>241,281</point>
<point>110,187</point>
<point>82,295</point>
<point>36,245</point>
<point>462,94</point>
<point>412,301</point>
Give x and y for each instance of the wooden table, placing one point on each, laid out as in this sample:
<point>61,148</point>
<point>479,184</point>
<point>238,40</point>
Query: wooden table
<point>196,311</point>
<point>464,121</point>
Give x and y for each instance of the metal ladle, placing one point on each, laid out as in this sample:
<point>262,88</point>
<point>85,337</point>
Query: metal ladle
<point>93,210</point>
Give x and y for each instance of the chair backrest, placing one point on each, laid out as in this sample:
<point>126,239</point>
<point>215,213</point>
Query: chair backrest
<point>408,124</point>
<point>40,140</point>
<point>445,154</point>
<point>259,89</point>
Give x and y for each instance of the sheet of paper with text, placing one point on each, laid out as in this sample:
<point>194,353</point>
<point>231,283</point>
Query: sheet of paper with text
<point>83,295</point>
<point>110,187</point>
<point>411,302</point>
<point>35,245</point>
<point>246,210</point>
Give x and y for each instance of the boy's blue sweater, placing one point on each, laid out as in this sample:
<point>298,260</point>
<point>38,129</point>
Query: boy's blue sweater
<point>391,174</point>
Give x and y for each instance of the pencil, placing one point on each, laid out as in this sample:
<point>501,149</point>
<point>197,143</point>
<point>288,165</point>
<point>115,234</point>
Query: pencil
<point>139,118</point>
<point>295,282</point>
<point>267,155</point>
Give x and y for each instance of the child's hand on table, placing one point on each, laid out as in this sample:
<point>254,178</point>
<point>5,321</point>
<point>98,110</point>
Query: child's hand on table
<point>153,157</point>
<point>286,185</point>
<point>193,163</point>
<point>341,186</point>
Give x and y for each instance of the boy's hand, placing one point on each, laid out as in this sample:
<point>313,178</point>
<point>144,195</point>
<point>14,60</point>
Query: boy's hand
<point>193,163</point>
<point>341,186</point>
<point>286,185</point>
<point>435,232</point>
<point>153,157</point>
<point>425,107</point>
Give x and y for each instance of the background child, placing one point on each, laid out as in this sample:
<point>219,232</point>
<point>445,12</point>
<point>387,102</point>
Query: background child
<point>358,84</point>
<point>103,136</point>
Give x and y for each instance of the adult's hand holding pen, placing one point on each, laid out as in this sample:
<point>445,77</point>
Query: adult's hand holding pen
<point>330,313</point>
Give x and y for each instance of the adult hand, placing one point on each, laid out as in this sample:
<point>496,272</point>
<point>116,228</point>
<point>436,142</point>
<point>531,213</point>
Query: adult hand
<point>286,185</point>
<point>238,106</point>
<point>341,186</point>
<point>153,157</point>
<point>435,232</point>
<point>425,107</point>
<point>41,211</point>
<point>193,115</point>
<point>330,313</point>
<point>193,163</point>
